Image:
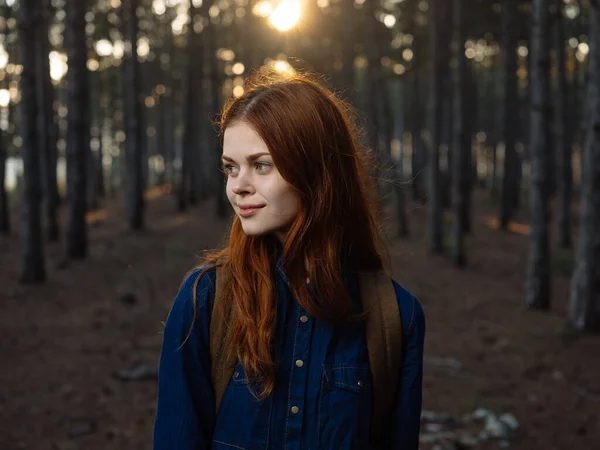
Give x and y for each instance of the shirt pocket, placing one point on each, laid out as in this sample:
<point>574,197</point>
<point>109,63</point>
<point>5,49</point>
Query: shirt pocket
<point>345,407</point>
<point>243,420</point>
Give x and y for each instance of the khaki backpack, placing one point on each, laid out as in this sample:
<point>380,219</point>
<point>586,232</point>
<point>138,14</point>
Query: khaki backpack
<point>383,335</point>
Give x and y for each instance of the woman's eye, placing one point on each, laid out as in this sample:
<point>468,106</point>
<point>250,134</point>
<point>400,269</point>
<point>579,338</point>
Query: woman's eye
<point>262,167</point>
<point>228,169</point>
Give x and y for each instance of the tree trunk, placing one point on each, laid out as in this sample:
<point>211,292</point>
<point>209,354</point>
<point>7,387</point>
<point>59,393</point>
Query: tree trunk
<point>446,155</point>
<point>212,72</point>
<point>576,105</point>
<point>494,96</point>
<point>47,126</point>
<point>523,137</point>
<point>78,144</point>
<point>102,113</point>
<point>469,99</point>
<point>585,285</point>
<point>196,149</point>
<point>527,117</point>
<point>400,185</point>
<point>538,276</point>
<point>168,101</point>
<point>395,125</point>
<point>418,154</point>
<point>189,88</point>
<point>5,227</point>
<point>372,86</point>
<point>4,211</point>
<point>510,110</point>
<point>161,133</point>
<point>94,158</point>
<point>251,56</point>
<point>435,231</point>
<point>562,138</point>
<point>115,173</point>
<point>134,181</point>
<point>144,142</point>
<point>459,150</point>
<point>32,252</point>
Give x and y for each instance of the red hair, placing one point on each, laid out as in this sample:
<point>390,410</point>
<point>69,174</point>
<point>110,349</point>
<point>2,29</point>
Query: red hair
<point>316,148</point>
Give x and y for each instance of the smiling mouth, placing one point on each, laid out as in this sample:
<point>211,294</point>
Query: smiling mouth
<point>248,211</point>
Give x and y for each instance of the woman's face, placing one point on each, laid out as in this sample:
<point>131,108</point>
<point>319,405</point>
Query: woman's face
<point>262,199</point>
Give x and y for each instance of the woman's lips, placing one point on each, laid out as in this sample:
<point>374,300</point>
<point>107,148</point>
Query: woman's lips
<point>249,211</point>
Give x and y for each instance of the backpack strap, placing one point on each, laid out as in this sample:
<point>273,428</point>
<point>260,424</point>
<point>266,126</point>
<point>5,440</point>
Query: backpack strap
<point>384,343</point>
<point>223,362</point>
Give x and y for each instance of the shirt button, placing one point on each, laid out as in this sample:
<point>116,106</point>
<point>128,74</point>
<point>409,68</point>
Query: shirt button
<point>295,410</point>
<point>299,363</point>
<point>303,319</point>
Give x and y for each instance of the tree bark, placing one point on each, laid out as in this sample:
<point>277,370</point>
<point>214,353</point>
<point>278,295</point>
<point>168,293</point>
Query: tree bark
<point>538,276</point>
<point>510,113</point>
<point>168,102</point>
<point>102,113</point>
<point>5,227</point>
<point>189,88</point>
<point>213,74</point>
<point>4,211</point>
<point>373,96</point>
<point>161,132</point>
<point>95,158</point>
<point>251,56</point>
<point>446,154</point>
<point>115,172</point>
<point>78,144</point>
<point>494,135</point>
<point>562,138</point>
<point>196,151</point>
<point>460,185</point>
<point>400,185</point>
<point>32,253</point>
<point>435,231</point>
<point>418,154</point>
<point>469,105</point>
<point>134,181</point>
<point>585,285</point>
<point>47,127</point>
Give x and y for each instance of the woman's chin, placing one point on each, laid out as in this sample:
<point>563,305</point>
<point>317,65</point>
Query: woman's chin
<point>255,231</point>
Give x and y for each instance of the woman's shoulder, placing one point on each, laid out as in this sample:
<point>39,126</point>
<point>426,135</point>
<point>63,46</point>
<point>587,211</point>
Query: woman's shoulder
<point>199,284</point>
<point>411,310</point>
<point>202,279</point>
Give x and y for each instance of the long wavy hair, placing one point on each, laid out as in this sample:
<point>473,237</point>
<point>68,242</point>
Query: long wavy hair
<point>316,148</point>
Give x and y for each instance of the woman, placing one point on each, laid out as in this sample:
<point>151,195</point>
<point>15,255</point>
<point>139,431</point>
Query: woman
<point>304,227</point>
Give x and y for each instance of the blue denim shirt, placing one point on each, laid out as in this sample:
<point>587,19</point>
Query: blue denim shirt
<point>322,395</point>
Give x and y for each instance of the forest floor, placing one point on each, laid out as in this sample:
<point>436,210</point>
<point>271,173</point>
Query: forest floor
<point>64,343</point>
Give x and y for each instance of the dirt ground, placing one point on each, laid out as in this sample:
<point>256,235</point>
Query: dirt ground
<point>63,343</point>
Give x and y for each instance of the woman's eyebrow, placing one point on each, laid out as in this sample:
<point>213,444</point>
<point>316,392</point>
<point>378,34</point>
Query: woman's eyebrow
<point>249,157</point>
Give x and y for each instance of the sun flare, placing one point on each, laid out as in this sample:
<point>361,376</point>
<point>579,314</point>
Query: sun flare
<point>286,15</point>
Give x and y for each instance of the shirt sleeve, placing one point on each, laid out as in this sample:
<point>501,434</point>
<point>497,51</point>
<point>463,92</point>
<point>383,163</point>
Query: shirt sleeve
<point>407,415</point>
<point>185,414</point>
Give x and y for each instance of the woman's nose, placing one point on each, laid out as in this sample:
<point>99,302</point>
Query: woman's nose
<point>242,184</point>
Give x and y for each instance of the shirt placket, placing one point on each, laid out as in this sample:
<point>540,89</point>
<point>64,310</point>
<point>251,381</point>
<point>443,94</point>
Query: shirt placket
<point>298,380</point>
